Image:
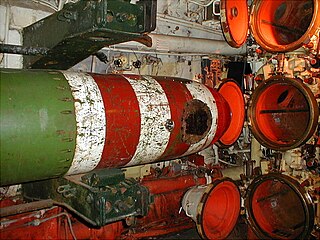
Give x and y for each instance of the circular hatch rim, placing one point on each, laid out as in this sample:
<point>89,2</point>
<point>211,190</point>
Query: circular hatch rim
<point>256,31</point>
<point>232,93</point>
<point>221,187</point>
<point>254,120</point>
<point>296,187</point>
<point>234,20</point>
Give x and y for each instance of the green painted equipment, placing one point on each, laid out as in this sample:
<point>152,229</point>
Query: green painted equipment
<point>99,197</point>
<point>44,112</point>
<point>81,29</point>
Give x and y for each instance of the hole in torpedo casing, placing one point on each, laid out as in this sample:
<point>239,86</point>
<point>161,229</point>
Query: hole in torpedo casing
<point>196,121</point>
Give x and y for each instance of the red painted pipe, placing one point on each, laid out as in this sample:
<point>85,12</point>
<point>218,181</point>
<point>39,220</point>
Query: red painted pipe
<point>165,185</point>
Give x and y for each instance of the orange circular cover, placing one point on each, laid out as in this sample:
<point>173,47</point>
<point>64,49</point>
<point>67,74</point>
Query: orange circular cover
<point>220,208</point>
<point>232,93</point>
<point>234,21</point>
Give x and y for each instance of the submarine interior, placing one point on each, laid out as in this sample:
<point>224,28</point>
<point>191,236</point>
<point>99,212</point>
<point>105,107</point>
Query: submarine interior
<point>159,119</point>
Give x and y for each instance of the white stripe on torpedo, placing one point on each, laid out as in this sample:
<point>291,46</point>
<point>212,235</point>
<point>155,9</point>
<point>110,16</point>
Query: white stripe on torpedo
<point>91,122</point>
<point>154,112</point>
<point>202,93</point>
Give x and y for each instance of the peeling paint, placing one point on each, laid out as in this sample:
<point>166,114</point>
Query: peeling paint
<point>155,111</point>
<point>91,122</point>
<point>200,92</point>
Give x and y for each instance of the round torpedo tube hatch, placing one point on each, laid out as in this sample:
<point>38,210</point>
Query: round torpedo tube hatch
<point>232,93</point>
<point>234,20</point>
<point>284,25</point>
<point>278,207</point>
<point>215,207</point>
<point>283,113</point>
<point>277,25</point>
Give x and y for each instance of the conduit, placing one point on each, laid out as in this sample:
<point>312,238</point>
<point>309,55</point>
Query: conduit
<point>178,44</point>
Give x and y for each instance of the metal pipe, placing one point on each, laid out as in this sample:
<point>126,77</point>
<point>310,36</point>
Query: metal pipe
<point>168,44</point>
<point>16,49</point>
<point>26,207</point>
<point>6,33</point>
<point>198,29</point>
<point>256,152</point>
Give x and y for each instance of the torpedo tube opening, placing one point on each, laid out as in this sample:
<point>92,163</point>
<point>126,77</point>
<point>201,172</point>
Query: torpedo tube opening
<point>284,25</point>
<point>215,208</point>
<point>279,208</point>
<point>283,113</point>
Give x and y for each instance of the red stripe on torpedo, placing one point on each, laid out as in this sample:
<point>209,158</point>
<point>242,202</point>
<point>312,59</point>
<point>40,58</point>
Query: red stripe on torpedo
<point>123,120</point>
<point>178,95</point>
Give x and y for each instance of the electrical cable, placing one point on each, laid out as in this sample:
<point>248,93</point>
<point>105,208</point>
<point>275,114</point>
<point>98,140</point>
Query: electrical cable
<point>47,4</point>
<point>225,162</point>
<point>231,164</point>
<point>57,7</point>
<point>37,222</point>
<point>61,3</point>
<point>56,216</point>
<point>201,4</point>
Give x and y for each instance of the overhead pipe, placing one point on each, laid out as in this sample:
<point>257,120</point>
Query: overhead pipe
<point>187,45</point>
<point>17,49</point>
